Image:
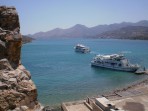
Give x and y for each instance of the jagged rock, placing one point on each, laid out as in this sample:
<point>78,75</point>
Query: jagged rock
<point>22,68</point>
<point>23,108</point>
<point>2,49</point>
<point>9,18</point>
<point>4,76</point>
<point>12,80</point>
<point>12,74</point>
<point>22,75</point>
<point>11,39</point>
<point>17,90</point>
<point>11,51</point>
<point>3,85</point>
<point>17,109</point>
<point>4,64</point>
<point>20,91</point>
<point>3,103</point>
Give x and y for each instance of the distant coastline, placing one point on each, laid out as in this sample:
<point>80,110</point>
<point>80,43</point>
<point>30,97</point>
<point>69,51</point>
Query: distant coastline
<point>27,39</point>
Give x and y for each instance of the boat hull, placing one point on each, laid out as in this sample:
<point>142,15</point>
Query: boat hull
<point>82,51</point>
<point>126,69</point>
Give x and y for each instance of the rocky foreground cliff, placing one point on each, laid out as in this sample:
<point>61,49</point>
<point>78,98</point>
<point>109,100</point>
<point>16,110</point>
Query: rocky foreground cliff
<point>17,90</point>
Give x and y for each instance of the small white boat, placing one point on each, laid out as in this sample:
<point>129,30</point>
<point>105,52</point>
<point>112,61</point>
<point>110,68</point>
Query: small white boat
<point>114,61</point>
<point>81,48</point>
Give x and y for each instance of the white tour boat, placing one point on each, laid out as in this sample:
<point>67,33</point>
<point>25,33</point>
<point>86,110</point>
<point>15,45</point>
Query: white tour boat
<point>114,61</point>
<point>81,48</point>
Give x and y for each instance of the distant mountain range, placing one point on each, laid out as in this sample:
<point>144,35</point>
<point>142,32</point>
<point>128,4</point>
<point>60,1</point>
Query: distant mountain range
<point>124,30</point>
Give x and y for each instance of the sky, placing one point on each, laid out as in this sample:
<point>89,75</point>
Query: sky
<point>45,15</point>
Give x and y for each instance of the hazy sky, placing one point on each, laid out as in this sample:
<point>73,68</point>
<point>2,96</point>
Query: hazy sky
<point>44,15</point>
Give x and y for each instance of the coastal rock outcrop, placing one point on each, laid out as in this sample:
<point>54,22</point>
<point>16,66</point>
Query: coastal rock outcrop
<point>17,90</point>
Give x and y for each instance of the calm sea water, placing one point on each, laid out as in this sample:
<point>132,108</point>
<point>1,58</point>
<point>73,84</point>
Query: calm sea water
<point>61,75</point>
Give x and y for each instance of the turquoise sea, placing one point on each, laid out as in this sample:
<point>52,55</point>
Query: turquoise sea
<point>61,74</point>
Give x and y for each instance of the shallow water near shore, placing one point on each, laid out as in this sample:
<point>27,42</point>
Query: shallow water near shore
<point>61,74</point>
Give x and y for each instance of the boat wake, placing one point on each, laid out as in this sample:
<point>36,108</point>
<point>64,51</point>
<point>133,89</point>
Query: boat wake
<point>95,53</point>
<point>125,52</point>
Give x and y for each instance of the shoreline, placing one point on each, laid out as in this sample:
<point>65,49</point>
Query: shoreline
<point>109,94</point>
<point>134,85</point>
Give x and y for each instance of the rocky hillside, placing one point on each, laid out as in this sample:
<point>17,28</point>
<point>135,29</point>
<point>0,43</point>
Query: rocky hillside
<point>130,32</point>
<point>17,90</point>
<point>26,39</point>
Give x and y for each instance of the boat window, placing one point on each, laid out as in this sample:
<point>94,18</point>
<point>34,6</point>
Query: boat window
<point>98,62</point>
<point>119,64</point>
<point>113,63</point>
